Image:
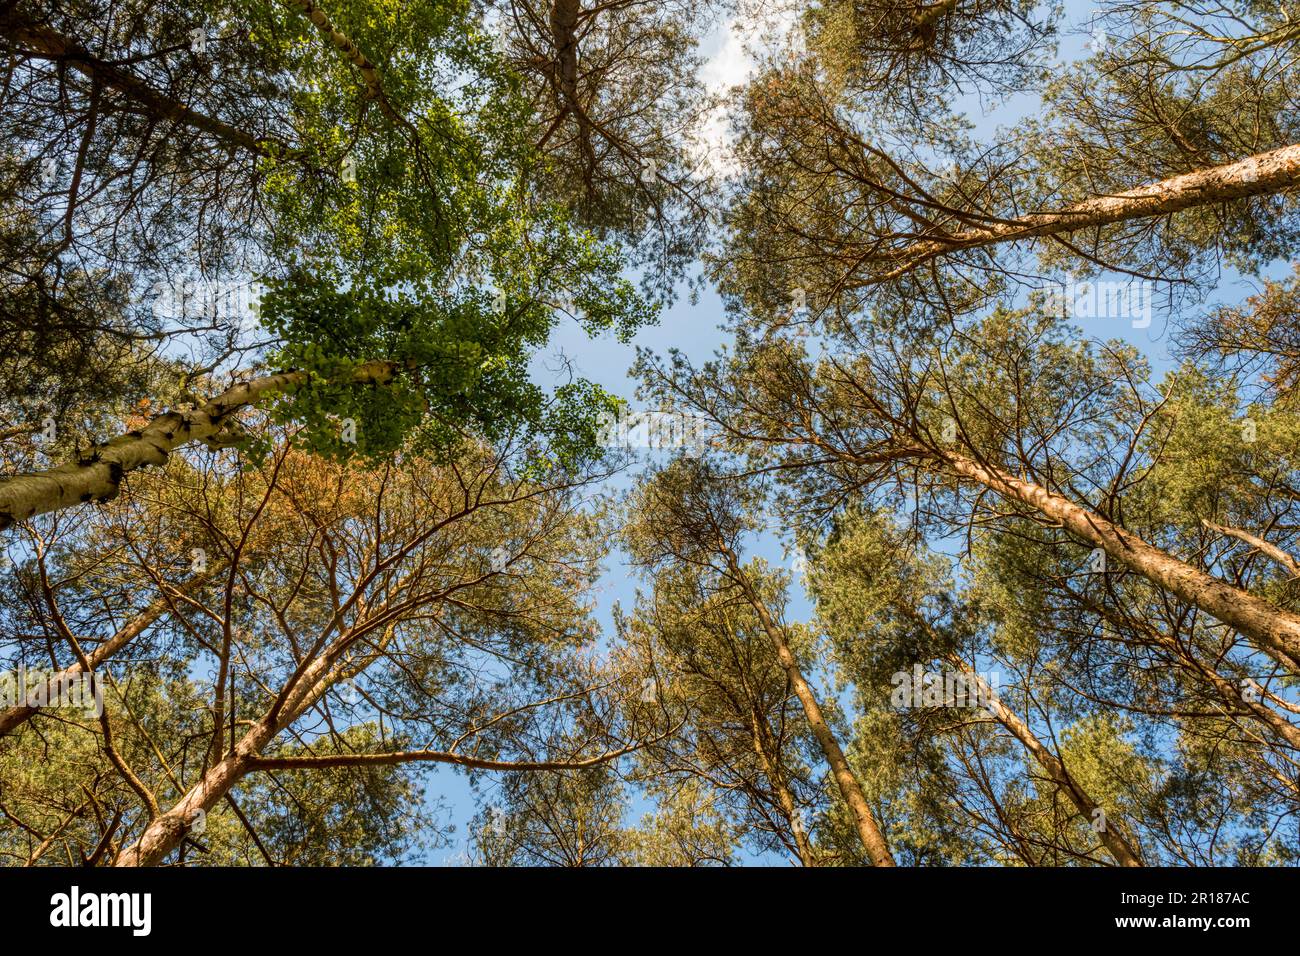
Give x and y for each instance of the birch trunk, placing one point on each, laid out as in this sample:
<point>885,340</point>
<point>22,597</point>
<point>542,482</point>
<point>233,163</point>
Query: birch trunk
<point>97,476</point>
<point>341,42</point>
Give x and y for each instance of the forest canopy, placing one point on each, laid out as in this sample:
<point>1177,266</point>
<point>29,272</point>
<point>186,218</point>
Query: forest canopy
<point>975,540</point>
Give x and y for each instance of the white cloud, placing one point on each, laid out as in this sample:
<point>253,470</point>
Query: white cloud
<point>732,62</point>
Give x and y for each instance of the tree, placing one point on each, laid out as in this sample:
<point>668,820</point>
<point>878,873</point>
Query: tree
<point>617,111</point>
<point>868,582</point>
<point>344,622</point>
<point>987,410</point>
<point>700,522</point>
<point>292,518</point>
<point>740,746</point>
<point>403,235</point>
<point>994,438</point>
<point>1140,162</point>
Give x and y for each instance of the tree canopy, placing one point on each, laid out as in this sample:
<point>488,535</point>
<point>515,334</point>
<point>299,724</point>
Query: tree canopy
<point>976,542</point>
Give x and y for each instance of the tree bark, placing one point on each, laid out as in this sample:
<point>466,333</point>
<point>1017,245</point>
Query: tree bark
<point>1256,175</point>
<point>341,42</point>
<point>1273,630</point>
<point>873,840</point>
<point>98,476</point>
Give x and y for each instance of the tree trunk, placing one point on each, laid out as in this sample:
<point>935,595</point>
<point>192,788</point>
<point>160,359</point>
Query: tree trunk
<point>166,831</point>
<point>873,840</point>
<point>16,716</point>
<point>341,42</point>
<point>1114,840</point>
<point>98,476</point>
<point>1274,631</point>
<point>771,767</point>
<point>564,34</point>
<point>1256,175</point>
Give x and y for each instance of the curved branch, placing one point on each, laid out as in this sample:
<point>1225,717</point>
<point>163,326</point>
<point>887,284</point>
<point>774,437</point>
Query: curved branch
<point>1259,544</point>
<point>433,756</point>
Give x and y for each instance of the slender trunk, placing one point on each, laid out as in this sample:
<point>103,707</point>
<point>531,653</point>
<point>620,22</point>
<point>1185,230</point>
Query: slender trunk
<point>341,42</point>
<point>97,476</point>
<point>1257,175</point>
<point>873,840</point>
<point>771,768</point>
<point>16,716</point>
<point>1114,840</point>
<point>1274,631</point>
